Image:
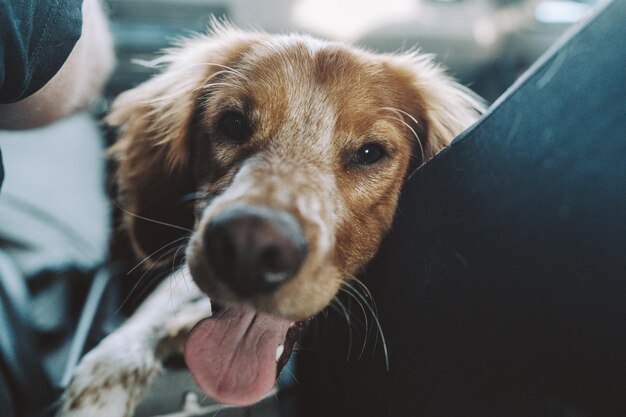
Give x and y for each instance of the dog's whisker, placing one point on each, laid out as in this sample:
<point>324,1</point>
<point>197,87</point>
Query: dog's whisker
<point>380,331</point>
<point>163,255</point>
<point>419,142</point>
<point>356,318</point>
<point>347,291</point>
<point>367,327</point>
<point>174,278</point>
<point>140,281</point>
<point>232,70</point>
<point>167,59</point>
<point>173,310</point>
<point>367,291</point>
<point>399,112</point>
<point>182,91</point>
<point>361,285</point>
<point>184,86</point>
<point>174,267</point>
<point>144,260</point>
<point>179,92</point>
<point>396,110</point>
<point>177,273</point>
<point>348,322</point>
<point>161,99</point>
<point>350,289</point>
<point>132,292</point>
<point>224,84</point>
<point>216,74</point>
<point>376,321</point>
<point>152,220</point>
<point>185,279</point>
<point>214,64</point>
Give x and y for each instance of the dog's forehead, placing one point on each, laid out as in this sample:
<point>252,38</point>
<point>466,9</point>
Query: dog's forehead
<point>300,66</point>
<point>304,84</point>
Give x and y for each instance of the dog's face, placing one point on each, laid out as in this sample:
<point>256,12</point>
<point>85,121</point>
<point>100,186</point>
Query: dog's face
<point>300,152</point>
<point>294,151</point>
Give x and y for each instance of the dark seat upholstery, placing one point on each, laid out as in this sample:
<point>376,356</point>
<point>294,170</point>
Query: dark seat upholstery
<point>501,289</point>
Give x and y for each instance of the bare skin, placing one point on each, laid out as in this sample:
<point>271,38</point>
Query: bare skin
<point>76,84</point>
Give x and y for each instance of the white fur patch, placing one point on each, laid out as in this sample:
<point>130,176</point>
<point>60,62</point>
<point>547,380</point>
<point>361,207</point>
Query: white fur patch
<point>112,378</point>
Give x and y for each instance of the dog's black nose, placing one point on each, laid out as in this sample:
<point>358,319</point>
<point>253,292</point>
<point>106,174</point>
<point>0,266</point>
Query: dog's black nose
<point>254,249</point>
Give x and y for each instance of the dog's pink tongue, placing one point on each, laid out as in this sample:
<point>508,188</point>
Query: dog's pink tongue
<point>233,357</point>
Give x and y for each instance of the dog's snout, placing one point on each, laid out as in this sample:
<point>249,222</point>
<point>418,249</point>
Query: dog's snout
<point>254,249</point>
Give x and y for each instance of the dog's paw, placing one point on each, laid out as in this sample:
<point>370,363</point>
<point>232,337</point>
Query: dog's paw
<point>111,379</point>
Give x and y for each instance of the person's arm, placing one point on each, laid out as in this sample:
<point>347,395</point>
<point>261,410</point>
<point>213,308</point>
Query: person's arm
<point>75,85</point>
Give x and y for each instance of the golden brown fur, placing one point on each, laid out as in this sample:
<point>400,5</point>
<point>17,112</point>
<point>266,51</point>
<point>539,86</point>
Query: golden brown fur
<point>313,104</point>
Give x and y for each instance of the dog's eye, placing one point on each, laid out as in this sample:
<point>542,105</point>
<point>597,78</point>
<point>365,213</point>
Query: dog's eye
<point>235,126</point>
<point>368,154</point>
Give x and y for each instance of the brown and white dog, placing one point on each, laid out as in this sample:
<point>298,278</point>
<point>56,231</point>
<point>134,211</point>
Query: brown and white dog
<point>293,151</point>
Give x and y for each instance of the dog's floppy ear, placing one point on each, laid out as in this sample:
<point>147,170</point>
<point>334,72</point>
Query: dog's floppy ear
<point>445,107</point>
<point>153,150</point>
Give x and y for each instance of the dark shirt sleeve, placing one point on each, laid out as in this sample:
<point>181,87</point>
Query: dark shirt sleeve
<point>36,37</point>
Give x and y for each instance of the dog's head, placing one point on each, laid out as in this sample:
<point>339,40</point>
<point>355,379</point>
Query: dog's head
<point>293,151</point>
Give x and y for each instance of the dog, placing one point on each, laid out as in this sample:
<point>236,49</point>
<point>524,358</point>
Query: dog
<point>276,161</point>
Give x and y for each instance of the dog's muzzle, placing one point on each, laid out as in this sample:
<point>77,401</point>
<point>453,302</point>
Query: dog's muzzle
<point>254,249</point>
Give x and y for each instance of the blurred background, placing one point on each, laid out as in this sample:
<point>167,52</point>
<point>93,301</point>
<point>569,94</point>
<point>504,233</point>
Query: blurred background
<point>64,283</point>
<point>485,43</point>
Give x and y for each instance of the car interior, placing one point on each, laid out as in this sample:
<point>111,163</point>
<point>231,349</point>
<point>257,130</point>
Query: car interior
<point>67,273</point>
